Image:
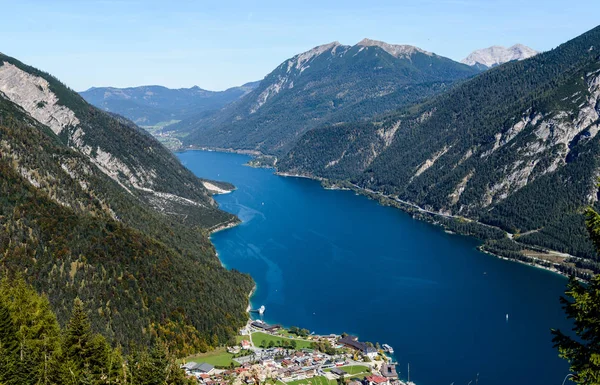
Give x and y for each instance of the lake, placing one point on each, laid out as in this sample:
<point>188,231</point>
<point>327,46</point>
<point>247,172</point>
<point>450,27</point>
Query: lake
<point>333,261</point>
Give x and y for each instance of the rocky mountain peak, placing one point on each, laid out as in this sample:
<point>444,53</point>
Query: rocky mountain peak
<point>395,50</point>
<point>496,55</point>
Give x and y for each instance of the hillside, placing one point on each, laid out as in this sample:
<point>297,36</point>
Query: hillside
<point>93,207</point>
<point>516,147</point>
<point>331,83</point>
<point>152,105</point>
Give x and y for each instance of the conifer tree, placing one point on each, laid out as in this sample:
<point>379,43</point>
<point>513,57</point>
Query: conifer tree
<point>9,348</point>
<point>78,335</point>
<point>583,307</point>
<point>88,352</point>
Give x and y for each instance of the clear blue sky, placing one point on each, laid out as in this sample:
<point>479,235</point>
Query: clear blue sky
<point>219,44</point>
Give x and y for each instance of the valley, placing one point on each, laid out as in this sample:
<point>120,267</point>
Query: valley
<point>351,218</point>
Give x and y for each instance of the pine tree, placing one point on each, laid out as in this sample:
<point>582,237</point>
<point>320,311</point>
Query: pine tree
<point>88,352</point>
<point>583,307</point>
<point>9,348</point>
<point>8,332</point>
<point>78,336</point>
<point>159,363</point>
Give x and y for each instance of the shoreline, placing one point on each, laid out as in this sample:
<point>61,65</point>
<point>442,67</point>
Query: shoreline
<point>532,262</point>
<point>224,226</point>
<point>220,149</point>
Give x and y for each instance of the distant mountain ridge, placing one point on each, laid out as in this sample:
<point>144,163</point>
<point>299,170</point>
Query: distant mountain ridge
<point>331,83</point>
<point>150,105</point>
<point>492,56</point>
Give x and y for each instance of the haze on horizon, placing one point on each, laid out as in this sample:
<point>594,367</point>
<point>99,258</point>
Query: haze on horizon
<point>217,46</point>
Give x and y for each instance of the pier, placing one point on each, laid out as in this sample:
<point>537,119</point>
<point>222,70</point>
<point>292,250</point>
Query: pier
<point>260,310</point>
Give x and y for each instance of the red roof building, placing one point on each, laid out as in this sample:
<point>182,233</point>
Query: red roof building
<point>377,379</point>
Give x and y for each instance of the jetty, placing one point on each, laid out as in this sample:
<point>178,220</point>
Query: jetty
<point>260,310</point>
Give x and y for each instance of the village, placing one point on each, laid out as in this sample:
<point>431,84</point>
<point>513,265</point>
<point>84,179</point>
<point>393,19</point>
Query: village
<point>270,354</point>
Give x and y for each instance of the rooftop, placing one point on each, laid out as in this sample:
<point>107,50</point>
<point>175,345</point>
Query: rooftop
<point>377,379</point>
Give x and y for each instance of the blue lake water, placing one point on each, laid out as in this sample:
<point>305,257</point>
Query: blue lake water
<point>333,262</point>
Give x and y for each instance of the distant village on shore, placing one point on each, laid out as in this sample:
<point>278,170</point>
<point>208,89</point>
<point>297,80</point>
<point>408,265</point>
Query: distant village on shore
<point>271,354</point>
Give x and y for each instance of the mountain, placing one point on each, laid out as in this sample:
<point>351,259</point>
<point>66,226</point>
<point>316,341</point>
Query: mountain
<point>151,105</point>
<point>94,207</point>
<point>492,56</point>
<point>515,148</point>
<point>331,83</point>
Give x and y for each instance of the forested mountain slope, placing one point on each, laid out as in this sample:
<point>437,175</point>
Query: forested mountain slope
<point>515,147</point>
<point>127,154</point>
<point>332,83</point>
<point>94,208</point>
<point>150,105</point>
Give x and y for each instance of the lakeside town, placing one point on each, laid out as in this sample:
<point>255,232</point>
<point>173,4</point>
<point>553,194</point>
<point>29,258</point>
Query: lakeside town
<point>271,354</point>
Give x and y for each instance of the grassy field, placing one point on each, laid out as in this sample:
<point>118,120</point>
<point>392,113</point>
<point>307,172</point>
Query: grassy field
<point>239,339</point>
<point>353,369</point>
<point>258,337</point>
<point>319,380</point>
<point>218,357</point>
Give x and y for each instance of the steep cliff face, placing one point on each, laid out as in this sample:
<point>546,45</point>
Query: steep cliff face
<point>515,147</point>
<point>139,164</point>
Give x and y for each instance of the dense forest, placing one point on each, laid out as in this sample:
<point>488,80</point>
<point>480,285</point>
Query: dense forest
<point>515,147</point>
<point>34,349</point>
<point>76,232</point>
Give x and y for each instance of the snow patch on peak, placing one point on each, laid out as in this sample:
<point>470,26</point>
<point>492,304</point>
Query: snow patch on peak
<point>33,94</point>
<point>496,55</point>
<point>393,49</point>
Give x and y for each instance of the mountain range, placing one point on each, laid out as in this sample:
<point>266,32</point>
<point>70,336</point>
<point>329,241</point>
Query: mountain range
<point>331,83</point>
<point>152,105</point>
<point>491,141</point>
<point>94,207</point>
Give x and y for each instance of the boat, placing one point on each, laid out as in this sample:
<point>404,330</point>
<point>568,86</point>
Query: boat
<point>387,348</point>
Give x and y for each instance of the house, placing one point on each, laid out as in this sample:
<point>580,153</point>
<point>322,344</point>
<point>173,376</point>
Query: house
<point>377,380</point>
<point>371,352</point>
<point>260,325</point>
<point>265,326</point>
<point>198,368</point>
<point>338,371</point>
<point>354,343</point>
<point>389,371</point>
<point>245,344</point>
<point>273,328</point>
